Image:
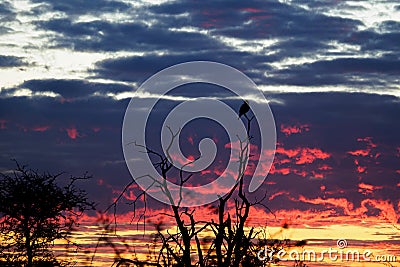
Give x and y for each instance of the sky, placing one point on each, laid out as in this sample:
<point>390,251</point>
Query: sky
<point>330,70</point>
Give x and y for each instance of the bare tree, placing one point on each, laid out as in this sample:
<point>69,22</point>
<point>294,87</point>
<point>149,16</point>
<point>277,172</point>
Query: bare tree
<point>231,242</point>
<point>35,210</point>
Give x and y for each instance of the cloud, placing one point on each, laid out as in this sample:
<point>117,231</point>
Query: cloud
<point>359,152</point>
<point>253,19</point>
<point>41,128</point>
<point>309,155</point>
<point>364,152</point>
<point>3,124</point>
<point>385,209</point>
<point>78,7</point>
<point>41,135</point>
<point>294,129</point>
<point>371,41</point>
<point>68,116</point>
<point>139,68</point>
<point>301,161</point>
<point>11,61</point>
<point>380,71</point>
<point>6,12</point>
<point>319,152</point>
<point>302,155</point>
<point>275,43</point>
<point>73,133</point>
<point>128,36</point>
<point>71,90</point>
<point>292,25</point>
<point>367,188</point>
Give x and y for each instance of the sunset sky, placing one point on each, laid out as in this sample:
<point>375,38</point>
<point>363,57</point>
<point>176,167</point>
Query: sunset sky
<point>330,70</point>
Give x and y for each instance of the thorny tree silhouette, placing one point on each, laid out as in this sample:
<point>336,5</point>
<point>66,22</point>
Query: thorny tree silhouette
<point>34,212</point>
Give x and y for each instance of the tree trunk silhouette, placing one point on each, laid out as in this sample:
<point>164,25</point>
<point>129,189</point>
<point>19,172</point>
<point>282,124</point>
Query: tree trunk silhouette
<point>28,248</point>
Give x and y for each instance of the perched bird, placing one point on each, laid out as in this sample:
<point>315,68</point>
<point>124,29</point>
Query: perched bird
<point>244,108</point>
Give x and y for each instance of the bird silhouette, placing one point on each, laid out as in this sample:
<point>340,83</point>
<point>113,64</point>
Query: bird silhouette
<point>244,108</point>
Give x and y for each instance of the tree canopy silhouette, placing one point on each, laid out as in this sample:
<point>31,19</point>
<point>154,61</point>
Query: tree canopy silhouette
<point>36,210</point>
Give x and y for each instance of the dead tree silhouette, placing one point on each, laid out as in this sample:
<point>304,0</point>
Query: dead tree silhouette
<point>231,242</point>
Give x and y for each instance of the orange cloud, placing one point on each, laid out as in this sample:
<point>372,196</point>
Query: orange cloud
<point>294,129</point>
<point>342,203</point>
<point>368,140</point>
<point>294,217</point>
<point>40,128</point>
<point>302,173</point>
<point>275,170</point>
<point>309,155</point>
<point>236,147</point>
<point>65,100</point>
<point>318,175</point>
<point>325,168</point>
<point>302,155</point>
<point>190,140</point>
<point>3,124</point>
<point>72,133</point>
<point>287,152</point>
<point>360,169</point>
<point>286,161</point>
<point>367,188</point>
<point>360,152</point>
<point>277,194</point>
<point>251,10</point>
<point>364,152</point>
<point>296,161</point>
<point>386,208</point>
